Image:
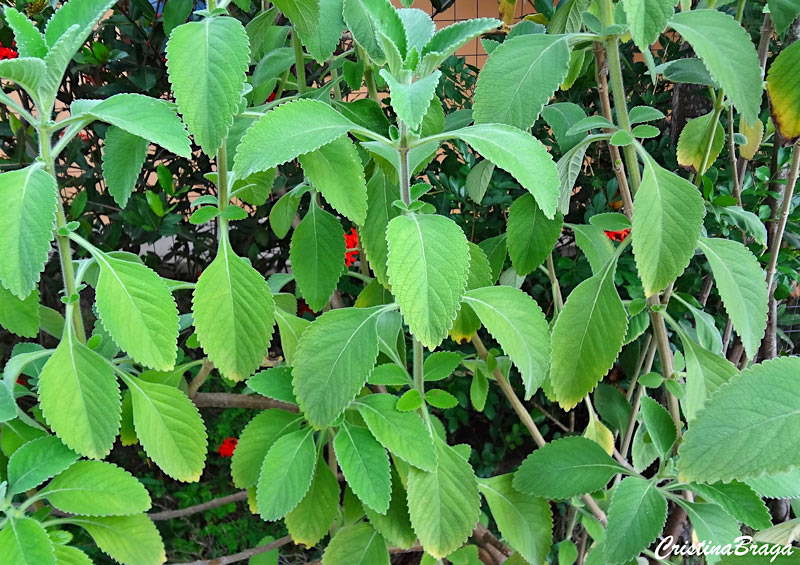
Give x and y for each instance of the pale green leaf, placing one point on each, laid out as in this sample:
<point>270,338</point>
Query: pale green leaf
<point>133,540</point>
<point>286,474</point>
<point>411,101</point>
<point>428,265</point>
<point>738,500</point>
<point>68,555</point>
<point>518,324</point>
<point>30,42</point>
<point>123,157</point>
<point>362,21</point>
<point>175,13</point>
<point>659,425</point>
<point>419,27</point>
<point>169,428</point>
<point>561,116</point>
<point>395,524</point>
<point>740,282</point>
<point>255,441</point>
<point>783,13</point>
<point>381,193</point>
<point>28,72</point>
<point>317,255</point>
<point>310,521</point>
<point>705,373</point>
<point>207,62</point>
<point>233,314</point>
<point>743,431</point>
<point>335,170</point>
<point>323,41</point>
<point>365,466</point>
<point>478,180</point>
<point>25,542</point>
<point>290,329</point>
<point>531,236</point>
<point>779,485</point>
<point>567,18</point>
<point>304,15</point>
<point>667,218</point>
<point>636,517</point>
<point>693,142</point>
<point>449,39</point>
<point>20,317</point>
<point>495,250</point>
<point>524,521</point>
<point>519,78</point>
<point>358,544</point>
<point>79,397</point>
<point>710,522</point>
<point>647,19</point>
<point>83,13</point>
<point>29,197</point>
<point>36,461</point>
<point>275,383</point>
<point>444,504</point>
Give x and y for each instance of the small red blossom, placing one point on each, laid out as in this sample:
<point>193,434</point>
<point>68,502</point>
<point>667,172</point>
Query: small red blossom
<point>271,97</point>
<point>303,308</point>
<point>83,135</point>
<point>22,380</point>
<point>351,242</point>
<point>227,447</point>
<point>619,235</point>
<point>7,53</point>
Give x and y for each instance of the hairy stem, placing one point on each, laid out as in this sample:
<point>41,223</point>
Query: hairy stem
<point>558,300</point>
<point>299,63</point>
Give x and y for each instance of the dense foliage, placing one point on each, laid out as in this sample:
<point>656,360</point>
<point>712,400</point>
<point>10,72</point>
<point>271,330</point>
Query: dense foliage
<point>532,314</point>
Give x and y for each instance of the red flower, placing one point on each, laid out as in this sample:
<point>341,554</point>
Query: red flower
<point>351,242</point>
<point>618,235</point>
<point>83,135</point>
<point>227,447</point>
<point>303,308</point>
<point>271,97</point>
<point>7,53</point>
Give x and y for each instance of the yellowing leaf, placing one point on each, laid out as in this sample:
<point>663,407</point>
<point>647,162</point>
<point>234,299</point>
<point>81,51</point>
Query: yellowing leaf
<point>693,142</point>
<point>783,86</point>
<point>754,134</point>
<point>598,433</point>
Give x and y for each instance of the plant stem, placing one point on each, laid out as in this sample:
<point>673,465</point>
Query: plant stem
<point>558,300</point>
<point>369,74</point>
<point>618,91</point>
<point>299,63</point>
<point>62,241</point>
<point>405,178</point>
<point>200,378</point>
<point>222,188</point>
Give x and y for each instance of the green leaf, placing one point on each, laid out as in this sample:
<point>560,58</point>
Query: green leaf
<point>395,524</point>
<point>667,218</point>
<point>689,71</point>
<point>207,62</point>
<point>317,255</point>
<point>636,517</point>
<point>97,488</point>
<point>28,72</point>
<point>712,523</point>
<point>419,27</point>
<point>133,540</point>
<point>783,97</point>
<point>123,157</point>
<point>68,555</point>
<point>451,38</point>
<point>518,324</point>
<point>595,245</point>
<point>444,504</point>
<point>275,383</point>
<point>427,266</point>
<point>727,52</point>
<point>705,373</point>
<point>747,221</point>
<point>565,468</point>
<point>36,461</point>
<point>524,521</point>
<point>780,485</point>
<point>531,236</point>
<point>233,314</point>
<point>8,405</point>
<point>561,116</point>
<point>287,131</point>
<point>149,118</point>
<point>83,13</point>
<point>519,78</point>
<point>741,285</point>
<point>402,433</point>
<point>365,466</point>
<point>440,365</point>
<point>25,542</point>
<point>744,428</point>
<point>783,13</point>
<point>256,188</point>
<point>612,406</point>
<point>478,180</point>
<point>567,18</point>
<point>20,317</point>
<point>659,425</point>
<point>335,170</point>
<point>381,193</point>
<point>647,19</point>
<point>286,474</point>
<point>169,428</point>
<point>30,42</point>
<point>587,337</point>
<point>521,155</point>
<point>290,328</point>
<point>363,20</point>
<point>409,401</point>
<point>411,101</point>
<point>738,500</point>
<point>138,311</point>
<point>693,141</point>
<point>310,521</point>
<point>29,197</point>
<point>304,15</point>
<point>255,442</point>
<point>175,13</point>
<point>79,397</point>
<point>495,250</point>
<point>358,544</point>
<point>333,360</point>
<point>440,399</point>
<point>323,41</point>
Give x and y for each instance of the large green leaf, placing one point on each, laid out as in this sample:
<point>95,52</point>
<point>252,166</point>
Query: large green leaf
<point>333,360</point>
<point>290,329</point>
<point>565,468</point>
<point>29,197</point>
<point>705,373</point>
<point>336,171</point>
<point>169,428</point>
<point>207,62</point>
<point>411,101</point>
<point>286,474</point>
<point>96,488</point>
<point>727,52</point>
<point>783,93</point>
<point>68,555</point>
<point>317,255</point>
<point>524,521</point>
<point>83,13</point>
<point>24,541</point>
<point>357,544</point>
<point>659,425</point>
<point>667,218</point>
<point>647,19</point>
<point>256,440</point>
<point>79,397</point>
<point>288,131</point>
<point>448,40</point>
<point>783,13</point>
<point>395,524</point>
<point>304,15</point>
<point>20,317</point>
<point>123,157</point>
<point>693,142</point>
<point>138,311</point>
<point>402,433</point>
<point>741,284</point>
<point>133,540</point>
<point>738,500</point>
<point>381,193</point>
<point>30,42</point>
<point>233,314</point>
<point>428,265</point>
<point>358,15</point>
<point>365,466</point>
<point>779,485</point>
<point>531,236</point>
<point>519,78</point>
<point>36,461</point>
<point>595,245</point>
<point>311,520</point>
<point>28,72</point>
<point>587,337</point>
<point>323,41</point>
<point>518,324</point>
<point>745,426</point>
<point>636,517</point>
<point>521,155</point>
<point>444,504</point>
